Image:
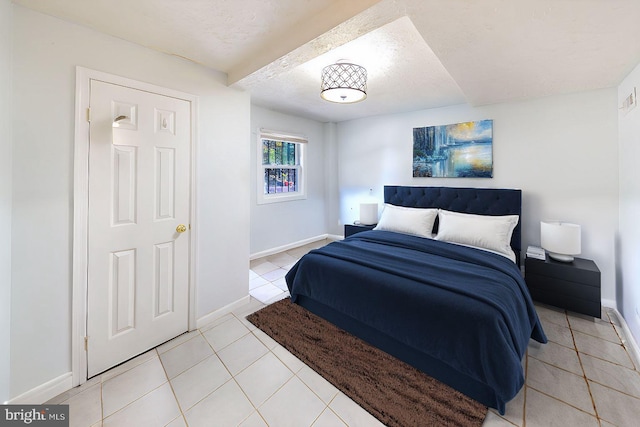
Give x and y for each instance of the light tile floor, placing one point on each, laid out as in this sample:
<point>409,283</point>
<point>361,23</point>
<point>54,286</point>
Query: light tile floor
<point>266,275</point>
<point>229,373</point>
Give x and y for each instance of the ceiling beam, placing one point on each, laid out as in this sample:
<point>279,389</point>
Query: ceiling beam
<point>298,36</point>
<point>340,32</point>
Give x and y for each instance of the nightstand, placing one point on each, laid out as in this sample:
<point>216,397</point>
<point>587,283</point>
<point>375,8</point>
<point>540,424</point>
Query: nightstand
<point>574,286</point>
<point>350,229</point>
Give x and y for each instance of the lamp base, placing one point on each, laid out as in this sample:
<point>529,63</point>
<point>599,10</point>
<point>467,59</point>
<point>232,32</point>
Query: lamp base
<point>561,257</point>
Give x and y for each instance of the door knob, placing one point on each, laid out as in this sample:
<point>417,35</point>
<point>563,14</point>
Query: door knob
<point>181,228</point>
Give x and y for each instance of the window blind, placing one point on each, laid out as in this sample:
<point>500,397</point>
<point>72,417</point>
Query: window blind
<point>284,137</point>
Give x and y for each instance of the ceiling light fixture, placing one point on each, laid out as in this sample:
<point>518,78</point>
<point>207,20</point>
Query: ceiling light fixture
<point>344,83</point>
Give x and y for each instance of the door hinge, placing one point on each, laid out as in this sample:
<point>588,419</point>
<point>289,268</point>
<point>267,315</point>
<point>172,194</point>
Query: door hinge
<point>89,114</point>
<point>86,343</point>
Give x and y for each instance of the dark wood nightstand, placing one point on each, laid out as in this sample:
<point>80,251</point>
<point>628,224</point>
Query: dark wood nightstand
<point>574,286</point>
<point>350,229</point>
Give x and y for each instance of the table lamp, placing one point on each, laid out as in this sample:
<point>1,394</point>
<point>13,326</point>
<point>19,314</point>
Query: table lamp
<point>368,213</point>
<point>560,239</point>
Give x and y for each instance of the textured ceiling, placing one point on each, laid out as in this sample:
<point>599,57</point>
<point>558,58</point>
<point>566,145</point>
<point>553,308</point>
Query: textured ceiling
<point>418,53</point>
<point>403,73</point>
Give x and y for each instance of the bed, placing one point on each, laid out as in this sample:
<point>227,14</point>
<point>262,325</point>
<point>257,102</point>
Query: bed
<point>460,314</point>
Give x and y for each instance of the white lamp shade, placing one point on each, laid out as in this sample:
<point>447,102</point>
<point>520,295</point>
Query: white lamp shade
<point>368,213</point>
<point>561,239</point>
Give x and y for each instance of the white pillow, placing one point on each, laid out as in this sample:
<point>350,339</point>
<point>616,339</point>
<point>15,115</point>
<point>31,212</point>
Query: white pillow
<point>481,231</point>
<point>407,220</point>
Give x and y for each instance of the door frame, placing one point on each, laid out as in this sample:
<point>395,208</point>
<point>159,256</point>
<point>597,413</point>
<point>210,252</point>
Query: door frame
<point>81,208</point>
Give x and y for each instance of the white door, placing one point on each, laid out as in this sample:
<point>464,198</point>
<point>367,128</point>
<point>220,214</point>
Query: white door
<point>138,226</point>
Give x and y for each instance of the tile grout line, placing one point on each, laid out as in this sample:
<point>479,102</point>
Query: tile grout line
<point>615,389</point>
<point>233,377</point>
<point>171,384</point>
<point>555,366</point>
<point>295,375</point>
<point>197,363</point>
<point>588,354</point>
<point>225,367</point>
<point>175,396</point>
<point>255,408</point>
<point>142,396</point>
<point>215,353</point>
<point>622,341</point>
<point>335,412</point>
<point>563,402</point>
<point>312,390</point>
<point>593,336</point>
<point>619,329</point>
<point>584,373</point>
<point>280,388</point>
<point>598,419</point>
<point>585,333</point>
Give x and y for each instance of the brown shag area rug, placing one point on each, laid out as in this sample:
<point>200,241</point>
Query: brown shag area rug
<point>392,391</point>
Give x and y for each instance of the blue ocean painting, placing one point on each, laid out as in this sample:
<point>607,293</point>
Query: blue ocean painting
<point>460,150</point>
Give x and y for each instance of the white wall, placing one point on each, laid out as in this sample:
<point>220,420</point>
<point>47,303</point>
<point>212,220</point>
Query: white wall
<point>46,52</point>
<point>628,247</point>
<point>5,195</point>
<point>279,224</point>
<point>332,180</point>
<point>561,151</point>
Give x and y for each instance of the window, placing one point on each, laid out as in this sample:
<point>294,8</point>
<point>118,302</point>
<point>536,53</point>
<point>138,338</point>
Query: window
<point>280,167</point>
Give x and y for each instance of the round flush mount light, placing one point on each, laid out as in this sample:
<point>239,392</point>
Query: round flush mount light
<point>344,83</point>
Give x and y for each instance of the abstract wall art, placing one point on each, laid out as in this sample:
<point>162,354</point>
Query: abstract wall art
<point>460,150</point>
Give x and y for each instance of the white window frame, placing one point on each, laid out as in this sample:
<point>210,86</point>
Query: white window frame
<point>301,142</point>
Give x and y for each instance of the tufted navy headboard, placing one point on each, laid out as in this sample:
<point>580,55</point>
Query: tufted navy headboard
<point>481,201</point>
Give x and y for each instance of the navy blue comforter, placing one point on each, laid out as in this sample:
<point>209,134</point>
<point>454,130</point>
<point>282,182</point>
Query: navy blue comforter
<point>466,307</point>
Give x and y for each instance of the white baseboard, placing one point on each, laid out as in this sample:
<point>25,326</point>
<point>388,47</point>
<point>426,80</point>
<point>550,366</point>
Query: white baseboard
<point>51,389</point>
<point>208,318</point>
<point>44,392</point>
<point>628,340</point>
<point>297,244</point>
<point>609,303</point>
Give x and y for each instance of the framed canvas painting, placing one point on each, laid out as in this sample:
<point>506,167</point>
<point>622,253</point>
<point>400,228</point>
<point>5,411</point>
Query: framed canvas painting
<point>460,150</point>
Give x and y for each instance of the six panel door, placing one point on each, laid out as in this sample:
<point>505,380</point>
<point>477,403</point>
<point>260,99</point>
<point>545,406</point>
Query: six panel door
<point>139,197</point>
